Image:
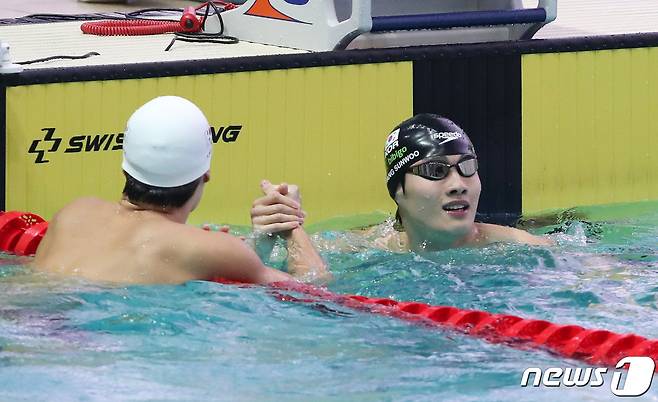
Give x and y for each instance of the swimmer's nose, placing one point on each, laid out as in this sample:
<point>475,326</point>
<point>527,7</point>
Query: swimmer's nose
<point>455,184</point>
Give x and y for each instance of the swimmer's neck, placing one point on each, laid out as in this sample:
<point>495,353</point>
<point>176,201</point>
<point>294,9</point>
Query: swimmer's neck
<point>424,239</point>
<point>178,215</point>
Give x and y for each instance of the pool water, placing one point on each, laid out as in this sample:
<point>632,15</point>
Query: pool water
<point>67,340</point>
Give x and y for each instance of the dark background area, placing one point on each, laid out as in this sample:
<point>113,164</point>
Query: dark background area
<point>482,94</point>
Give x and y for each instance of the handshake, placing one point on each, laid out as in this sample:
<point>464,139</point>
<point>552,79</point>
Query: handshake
<point>279,210</point>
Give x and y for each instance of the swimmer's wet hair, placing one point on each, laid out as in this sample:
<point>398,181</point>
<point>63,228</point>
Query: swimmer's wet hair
<point>162,197</point>
<point>398,221</point>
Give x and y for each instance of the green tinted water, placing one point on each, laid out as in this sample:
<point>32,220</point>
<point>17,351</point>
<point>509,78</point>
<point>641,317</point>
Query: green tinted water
<point>71,340</point>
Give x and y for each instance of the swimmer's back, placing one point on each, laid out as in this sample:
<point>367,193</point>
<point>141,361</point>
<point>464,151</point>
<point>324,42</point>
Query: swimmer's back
<point>99,240</point>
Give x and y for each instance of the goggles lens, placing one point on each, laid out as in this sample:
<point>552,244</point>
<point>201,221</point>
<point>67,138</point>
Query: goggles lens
<point>435,170</point>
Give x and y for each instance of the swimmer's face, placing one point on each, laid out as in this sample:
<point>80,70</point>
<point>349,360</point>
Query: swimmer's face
<point>447,205</point>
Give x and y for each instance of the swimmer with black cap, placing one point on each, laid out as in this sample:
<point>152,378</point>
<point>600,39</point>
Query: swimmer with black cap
<point>432,175</point>
<point>143,238</point>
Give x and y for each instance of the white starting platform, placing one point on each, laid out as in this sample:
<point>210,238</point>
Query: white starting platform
<point>321,25</point>
<point>275,27</point>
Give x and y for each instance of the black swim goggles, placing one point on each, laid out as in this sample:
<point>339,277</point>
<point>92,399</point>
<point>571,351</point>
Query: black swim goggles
<point>437,170</point>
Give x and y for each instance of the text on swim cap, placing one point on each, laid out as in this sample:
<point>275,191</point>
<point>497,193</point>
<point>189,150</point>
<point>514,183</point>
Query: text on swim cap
<point>446,136</point>
<point>391,147</point>
<point>395,155</point>
<point>402,162</point>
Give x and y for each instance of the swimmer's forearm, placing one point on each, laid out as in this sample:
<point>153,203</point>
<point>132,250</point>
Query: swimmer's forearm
<point>263,245</point>
<point>304,262</point>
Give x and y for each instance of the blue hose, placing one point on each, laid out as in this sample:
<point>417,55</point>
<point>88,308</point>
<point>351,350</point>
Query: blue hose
<point>458,19</point>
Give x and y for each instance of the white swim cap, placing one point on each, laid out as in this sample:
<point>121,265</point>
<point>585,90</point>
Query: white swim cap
<point>167,143</point>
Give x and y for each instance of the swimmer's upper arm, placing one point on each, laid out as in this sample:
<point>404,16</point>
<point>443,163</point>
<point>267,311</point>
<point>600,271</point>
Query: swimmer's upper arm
<point>521,236</point>
<point>496,233</point>
<point>229,258</point>
<point>61,218</point>
<point>389,241</point>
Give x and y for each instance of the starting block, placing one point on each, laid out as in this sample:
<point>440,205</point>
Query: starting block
<point>325,25</point>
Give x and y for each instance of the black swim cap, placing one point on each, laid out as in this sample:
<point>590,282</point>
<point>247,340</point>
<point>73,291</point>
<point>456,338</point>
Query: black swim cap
<point>420,137</point>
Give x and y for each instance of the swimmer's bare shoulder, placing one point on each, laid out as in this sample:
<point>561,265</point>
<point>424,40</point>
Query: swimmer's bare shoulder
<point>82,206</point>
<point>489,233</point>
<point>392,240</point>
<point>80,213</point>
<point>396,242</point>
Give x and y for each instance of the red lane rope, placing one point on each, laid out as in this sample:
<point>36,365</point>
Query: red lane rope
<point>21,232</point>
<point>593,346</point>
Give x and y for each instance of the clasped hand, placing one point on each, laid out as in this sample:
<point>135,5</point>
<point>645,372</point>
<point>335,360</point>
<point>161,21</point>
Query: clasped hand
<point>279,210</point>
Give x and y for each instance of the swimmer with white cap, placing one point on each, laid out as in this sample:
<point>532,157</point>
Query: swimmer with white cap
<point>432,175</point>
<point>143,238</point>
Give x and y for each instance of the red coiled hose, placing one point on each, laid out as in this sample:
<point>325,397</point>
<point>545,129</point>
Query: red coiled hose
<point>21,232</point>
<point>188,23</point>
<point>130,27</point>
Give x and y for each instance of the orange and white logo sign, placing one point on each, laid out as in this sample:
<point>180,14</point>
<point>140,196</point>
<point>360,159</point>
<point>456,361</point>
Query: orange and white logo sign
<point>265,9</point>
